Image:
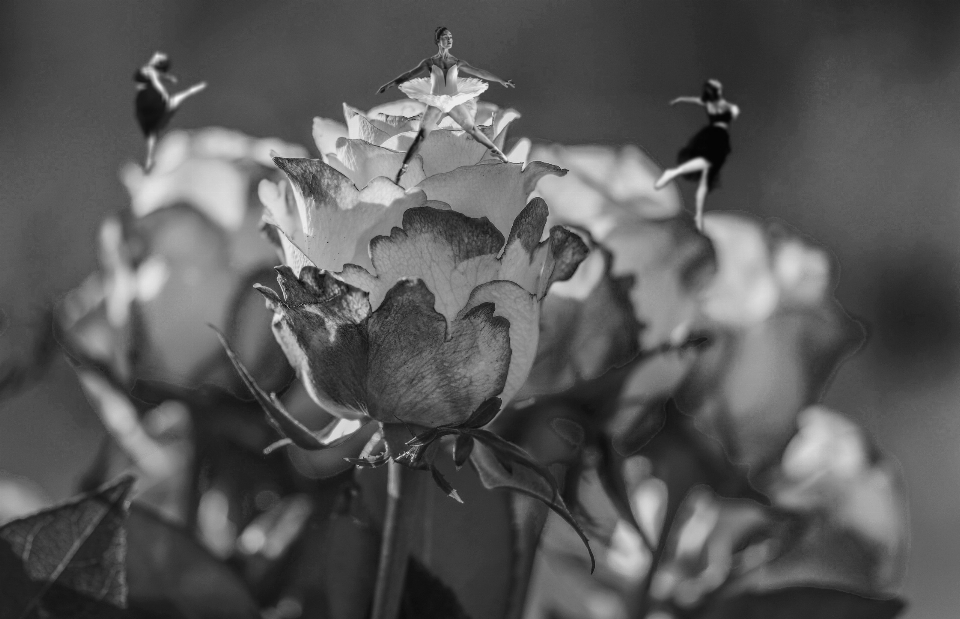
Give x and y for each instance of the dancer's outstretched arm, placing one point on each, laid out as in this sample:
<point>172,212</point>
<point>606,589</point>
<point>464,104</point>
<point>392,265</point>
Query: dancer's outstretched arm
<point>469,69</point>
<point>154,76</point>
<point>403,77</point>
<point>696,100</point>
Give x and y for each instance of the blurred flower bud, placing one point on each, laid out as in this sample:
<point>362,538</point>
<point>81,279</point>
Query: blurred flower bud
<point>776,336</point>
<point>185,257</point>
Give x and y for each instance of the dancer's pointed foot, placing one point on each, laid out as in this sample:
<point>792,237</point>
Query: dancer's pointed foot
<point>401,172</point>
<point>499,155</point>
<point>662,181</point>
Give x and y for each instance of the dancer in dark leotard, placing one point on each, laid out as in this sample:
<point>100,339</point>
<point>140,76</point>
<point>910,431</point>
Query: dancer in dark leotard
<point>154,105</point>
<point>445,93</point>
<point>705,153</point>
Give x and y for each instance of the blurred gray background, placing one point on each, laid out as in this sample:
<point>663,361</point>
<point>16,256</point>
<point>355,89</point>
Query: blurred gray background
<point>850,132</point>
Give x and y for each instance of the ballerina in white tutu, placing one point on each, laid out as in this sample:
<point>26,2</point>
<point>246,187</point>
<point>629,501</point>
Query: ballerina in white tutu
<point>445,93</point>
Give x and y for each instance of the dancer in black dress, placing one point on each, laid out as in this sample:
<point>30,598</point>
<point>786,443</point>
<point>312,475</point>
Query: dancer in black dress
<point>704,155</point>
<point>154,105</point>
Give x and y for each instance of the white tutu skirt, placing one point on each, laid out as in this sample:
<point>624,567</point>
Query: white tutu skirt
<point>419,90</point>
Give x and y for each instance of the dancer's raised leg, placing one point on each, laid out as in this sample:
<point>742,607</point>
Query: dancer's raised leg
<point>463,118</point>
<point>431,117</point>
<point>180,97</point>
<point>696,164</point>
<point>702,189</point>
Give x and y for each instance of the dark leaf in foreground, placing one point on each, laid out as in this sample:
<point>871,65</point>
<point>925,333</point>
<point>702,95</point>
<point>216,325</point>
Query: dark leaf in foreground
<point>804,603</point>
<point>67,561</point>
<point>171,576</point>
<point>425,596</point>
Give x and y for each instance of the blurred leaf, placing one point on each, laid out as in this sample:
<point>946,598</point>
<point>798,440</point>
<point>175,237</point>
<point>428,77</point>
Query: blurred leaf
<point>157,444</point>
<point>19,497</point>
<point>575,346</point>
<point>803,603</point>
<point>425,596</point>
<point>67,561</point>
<point>333,568</point>
<point>24,357</point>
<point>171,576</point>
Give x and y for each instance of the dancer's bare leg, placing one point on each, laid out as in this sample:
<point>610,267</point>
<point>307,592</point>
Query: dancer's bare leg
<point>463,118</point>
<point>180,97</point>
<point>702,188</point>
<point>151,144</point>
<point>698,164</point>
<point>431,117</point>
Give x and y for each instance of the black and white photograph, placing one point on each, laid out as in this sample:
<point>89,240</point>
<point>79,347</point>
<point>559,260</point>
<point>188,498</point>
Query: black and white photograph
<point>502,309</point>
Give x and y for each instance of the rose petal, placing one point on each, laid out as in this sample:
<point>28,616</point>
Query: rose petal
<point>498,192</point>
<point>442,150</point>
<point>318,325</point>
<point>670,263</point>
<point>338,220</point>
<point>604,185</point>
<point>744,290</point>
<point>210,169</point>
<point>422,373</point>
<point>450,252</point>
<point>520,308</point>
<point>326,133</point>
<point>361,162</point>
<point>359,127</point>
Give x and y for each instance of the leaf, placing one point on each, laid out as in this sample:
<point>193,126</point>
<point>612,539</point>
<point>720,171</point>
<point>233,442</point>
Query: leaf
<point>67,561</point>
<point>276,414</point>
<point>280,419</point>
<point>802,603</point>
<point>425,596</point>
<point>526,480</point>
<point>25,362</point>
<point>445,485</point>
<point>171,576</point>
<point>484,413</point>
<point>461,449</point>
<point>570,431</point>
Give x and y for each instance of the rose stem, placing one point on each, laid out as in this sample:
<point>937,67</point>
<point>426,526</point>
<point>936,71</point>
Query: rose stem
<point>405,500</point>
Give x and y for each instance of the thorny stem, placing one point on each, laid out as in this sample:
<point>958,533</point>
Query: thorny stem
<point>405,500</point>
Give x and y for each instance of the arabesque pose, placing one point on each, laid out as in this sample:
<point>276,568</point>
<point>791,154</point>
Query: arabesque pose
<point>705,153</point>
<point>445,93</point>
<point>154,105</point>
